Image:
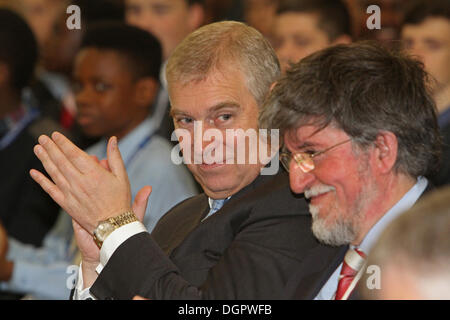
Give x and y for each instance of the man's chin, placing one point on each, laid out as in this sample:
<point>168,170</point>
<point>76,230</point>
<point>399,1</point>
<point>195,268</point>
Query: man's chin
<point>216,191</point>
<point>333,234</point>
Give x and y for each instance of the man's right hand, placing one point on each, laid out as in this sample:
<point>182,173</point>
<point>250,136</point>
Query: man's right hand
<point>90,253</point>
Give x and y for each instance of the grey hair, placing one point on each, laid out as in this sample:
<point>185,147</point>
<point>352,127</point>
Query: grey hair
<point>222,44</point>
<point>362,89</point>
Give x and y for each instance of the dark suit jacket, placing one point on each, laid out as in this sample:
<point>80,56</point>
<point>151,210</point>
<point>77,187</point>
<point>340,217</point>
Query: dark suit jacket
<point>250,249</point>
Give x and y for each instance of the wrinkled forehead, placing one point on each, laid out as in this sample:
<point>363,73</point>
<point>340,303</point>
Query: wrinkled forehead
<point>218,68</point>
<point>218,91</point>
<point>309,125</point>
<point>311,132</point>
<point>226,79</point>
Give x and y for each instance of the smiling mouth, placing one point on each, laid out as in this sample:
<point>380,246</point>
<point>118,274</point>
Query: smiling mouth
<point>315,199</point>
<point>317,193</point>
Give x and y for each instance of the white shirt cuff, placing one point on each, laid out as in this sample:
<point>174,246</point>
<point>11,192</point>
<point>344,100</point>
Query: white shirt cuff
<point>80,293</point>
<point>115,239</point>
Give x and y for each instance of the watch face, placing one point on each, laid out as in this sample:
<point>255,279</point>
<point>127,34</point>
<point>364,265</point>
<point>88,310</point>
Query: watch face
<point>103,230</point>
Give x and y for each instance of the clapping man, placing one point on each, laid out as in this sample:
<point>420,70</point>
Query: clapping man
<point>243,238</point>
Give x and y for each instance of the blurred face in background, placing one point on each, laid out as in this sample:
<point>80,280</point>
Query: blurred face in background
<point>260,14</point>
<point>110,100</point>
<point>61,47</point>
<point>297,35</point>
<point>430,42</point>
<point>169,20</point>
<point>41,16</point>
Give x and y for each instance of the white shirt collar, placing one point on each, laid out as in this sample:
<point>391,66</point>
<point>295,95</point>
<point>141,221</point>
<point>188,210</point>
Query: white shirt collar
<point>210,201</point>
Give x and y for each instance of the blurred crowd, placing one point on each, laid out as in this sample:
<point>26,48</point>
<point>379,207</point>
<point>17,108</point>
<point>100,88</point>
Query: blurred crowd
<point>53,78</point>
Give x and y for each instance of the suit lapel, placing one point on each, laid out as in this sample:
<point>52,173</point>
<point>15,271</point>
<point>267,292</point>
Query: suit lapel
<point>186,223</point>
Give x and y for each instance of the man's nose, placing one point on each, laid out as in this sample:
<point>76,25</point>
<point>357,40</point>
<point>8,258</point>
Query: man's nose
<point>206,137</point>
<point>298,179</point>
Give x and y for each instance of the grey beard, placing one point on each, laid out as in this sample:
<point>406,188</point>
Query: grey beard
<point>340,233</point>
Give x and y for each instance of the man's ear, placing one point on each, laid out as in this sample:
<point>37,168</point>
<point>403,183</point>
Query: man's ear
<point>386,150</point>
<point>146,91</point>
<point>196,16</point>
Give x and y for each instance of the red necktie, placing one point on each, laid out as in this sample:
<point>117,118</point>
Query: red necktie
<point>353,262</point>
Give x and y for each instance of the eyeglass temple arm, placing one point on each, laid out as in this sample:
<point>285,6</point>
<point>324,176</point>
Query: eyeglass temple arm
<point>329,148</point>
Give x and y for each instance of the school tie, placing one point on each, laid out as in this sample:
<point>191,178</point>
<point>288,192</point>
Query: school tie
<point>354,261</point>
<point>215,206</point>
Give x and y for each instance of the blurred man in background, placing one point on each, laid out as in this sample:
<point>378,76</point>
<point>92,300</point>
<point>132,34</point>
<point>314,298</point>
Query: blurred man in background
<point>426,35</point>
<point>302,27</point>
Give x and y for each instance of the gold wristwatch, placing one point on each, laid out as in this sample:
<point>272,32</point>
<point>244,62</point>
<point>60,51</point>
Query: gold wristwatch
<point>105,228</point>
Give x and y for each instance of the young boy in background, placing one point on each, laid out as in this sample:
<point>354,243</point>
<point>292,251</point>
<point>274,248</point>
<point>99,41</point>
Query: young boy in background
<point>115,81</point>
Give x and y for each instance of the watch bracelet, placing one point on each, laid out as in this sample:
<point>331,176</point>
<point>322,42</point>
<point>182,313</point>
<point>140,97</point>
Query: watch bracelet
<point>123,219</point>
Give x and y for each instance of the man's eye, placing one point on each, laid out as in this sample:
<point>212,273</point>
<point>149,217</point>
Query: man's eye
<point>133,10</point>
<point>185,121</point>
<point>161,9</point>
<point>224,117</point>
<point>302,42</point>
<point>310,152</point>
<point>101,87</point>
<point>433,45</point>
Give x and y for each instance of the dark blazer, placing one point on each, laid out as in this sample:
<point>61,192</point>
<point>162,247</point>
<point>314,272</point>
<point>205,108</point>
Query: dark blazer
<point>250,249</point>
